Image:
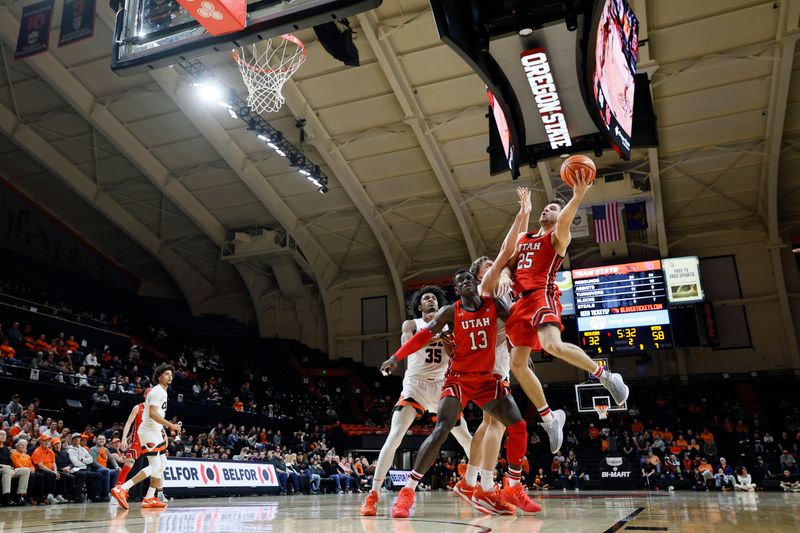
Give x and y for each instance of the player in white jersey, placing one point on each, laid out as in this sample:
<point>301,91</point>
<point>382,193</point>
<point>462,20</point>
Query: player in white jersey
<point>422,386</point>
<point>153,441</point>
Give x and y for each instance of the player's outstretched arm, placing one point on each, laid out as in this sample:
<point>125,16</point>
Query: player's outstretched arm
<point>506,253</point>
<point>567,215</point>
<point>420,339</point>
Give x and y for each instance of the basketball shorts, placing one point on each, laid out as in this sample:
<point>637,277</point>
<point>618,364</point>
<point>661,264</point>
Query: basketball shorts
<point>534,309</point>
<point>152,441</point>
<point>134,450</point>
<point>422,394</point>
<point>479,387</point>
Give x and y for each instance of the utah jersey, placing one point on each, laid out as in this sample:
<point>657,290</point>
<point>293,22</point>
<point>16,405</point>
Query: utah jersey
<point>137,423</point>
<point>536,263</point>
<point>157,397</point>
<point>430,362</point>
<point>475,335</point>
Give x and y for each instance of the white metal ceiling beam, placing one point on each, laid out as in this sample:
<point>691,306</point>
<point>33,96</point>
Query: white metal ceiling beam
<point>323,268</point>
<point>396,258</point>
<point>787,35</point>
<point>194,287</point>
<point>415,117</point>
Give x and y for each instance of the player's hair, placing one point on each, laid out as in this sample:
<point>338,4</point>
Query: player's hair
<point>459,272</point>
<point>476,265</point>
<point>416,298</point>
<point>160,369</point>
<point>558,201</point>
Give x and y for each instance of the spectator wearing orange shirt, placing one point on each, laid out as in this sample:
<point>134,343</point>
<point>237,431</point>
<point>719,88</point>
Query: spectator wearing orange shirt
<point>462,468</point>
<point>667,435</point>
<point>742,431</point>
<point>681,443</point>
<point>707,436</point>
<point>6,351</point>
<point>105,465</point>
<point>42,345</point>
<point>637,427</point>
<point>8,472</point>
<point>238,405</point>
<point>20,459</point>
<point>44,460</point>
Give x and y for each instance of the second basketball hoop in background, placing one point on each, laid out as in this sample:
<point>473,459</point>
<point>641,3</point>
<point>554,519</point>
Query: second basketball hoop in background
<point>265,67</point>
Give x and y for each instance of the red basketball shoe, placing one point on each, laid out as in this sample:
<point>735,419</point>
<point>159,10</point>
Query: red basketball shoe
<point>464,491</point>
<point>121,495</point>
<point>402,507</point>
<point>370,507</point>
<point>516,496</point>
<point>491,502</point>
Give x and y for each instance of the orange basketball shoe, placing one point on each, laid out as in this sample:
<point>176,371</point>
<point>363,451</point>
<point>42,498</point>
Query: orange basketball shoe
<point>370,507</point>
<point>515,495</point>
<point>121,495</point>
<point>491,502</point>
<point>153,503</point>
<point>402,507</point>
<point>464,491</point>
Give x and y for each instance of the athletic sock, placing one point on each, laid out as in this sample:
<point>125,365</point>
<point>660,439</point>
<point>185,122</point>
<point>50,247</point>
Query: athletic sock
<point>598,372</point>
<point>546,413</point>
<point>513,476</point>
<point>127,485</point>
<point>151,493</point>
<point>413,480</point>
<point>471,478</point>
<point>376,484</point>
<point>123,475</point>
<point>487,480</point>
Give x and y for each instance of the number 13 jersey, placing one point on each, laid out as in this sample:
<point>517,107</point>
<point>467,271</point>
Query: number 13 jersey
<point>475,334</point>
<point>429,362</point>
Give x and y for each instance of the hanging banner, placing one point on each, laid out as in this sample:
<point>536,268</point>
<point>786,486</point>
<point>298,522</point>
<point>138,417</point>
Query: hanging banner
<point>77,21</point>
<point>34,29</point>
<point>580,224</point>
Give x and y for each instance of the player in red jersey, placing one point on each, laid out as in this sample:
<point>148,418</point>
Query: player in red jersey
<point>473,320</point>
<point>535,321</point>
<point>130,440</point>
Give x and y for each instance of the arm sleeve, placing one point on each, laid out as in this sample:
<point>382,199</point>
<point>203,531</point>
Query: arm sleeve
<point>420,339</point>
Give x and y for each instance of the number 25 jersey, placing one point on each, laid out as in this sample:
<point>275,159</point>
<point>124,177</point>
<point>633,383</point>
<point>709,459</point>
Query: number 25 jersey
<point>430,362</point>
<point>475,334</point>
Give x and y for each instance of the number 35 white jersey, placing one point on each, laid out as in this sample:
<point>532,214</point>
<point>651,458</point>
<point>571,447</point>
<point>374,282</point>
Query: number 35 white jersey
<point>430,362</point>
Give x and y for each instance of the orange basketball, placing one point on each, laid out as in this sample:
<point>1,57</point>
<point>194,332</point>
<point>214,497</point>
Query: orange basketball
<point>572,166</point>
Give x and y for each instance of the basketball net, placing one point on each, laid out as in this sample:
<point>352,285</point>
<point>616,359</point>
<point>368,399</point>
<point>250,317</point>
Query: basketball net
<point>265,67</point>
<point>602,411</point>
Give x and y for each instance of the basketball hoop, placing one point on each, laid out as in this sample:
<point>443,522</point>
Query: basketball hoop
<point>602,411</point>
<point>265,67</point>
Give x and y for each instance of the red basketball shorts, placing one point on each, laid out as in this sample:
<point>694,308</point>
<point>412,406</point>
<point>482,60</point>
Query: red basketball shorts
<point>534,309</point>
<point>479,387</point>
<point>134,451</point>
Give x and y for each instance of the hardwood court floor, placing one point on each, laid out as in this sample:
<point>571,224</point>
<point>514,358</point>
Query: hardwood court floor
<point>571,512</point>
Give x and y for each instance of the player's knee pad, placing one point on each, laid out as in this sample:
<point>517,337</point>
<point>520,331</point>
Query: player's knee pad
<point>517,428</point>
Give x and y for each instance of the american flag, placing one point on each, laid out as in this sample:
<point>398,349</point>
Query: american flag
<point>606,222</point>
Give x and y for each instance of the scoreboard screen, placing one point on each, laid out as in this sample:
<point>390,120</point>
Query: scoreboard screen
<point>625,340</point>
<point>622,308</point>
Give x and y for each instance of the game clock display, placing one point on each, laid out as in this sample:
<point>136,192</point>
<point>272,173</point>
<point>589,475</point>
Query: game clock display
<point>625,340</point>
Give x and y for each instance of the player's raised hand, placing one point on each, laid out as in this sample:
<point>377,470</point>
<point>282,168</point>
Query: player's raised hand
<point>524,195</point>
<point>389,366</point>
<point>583,180</point>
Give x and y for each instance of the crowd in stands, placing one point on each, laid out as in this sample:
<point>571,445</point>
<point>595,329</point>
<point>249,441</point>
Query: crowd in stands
<point>670,445</point>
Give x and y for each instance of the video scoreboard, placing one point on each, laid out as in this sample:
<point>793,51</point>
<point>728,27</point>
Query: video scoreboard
<point>622,308</point>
